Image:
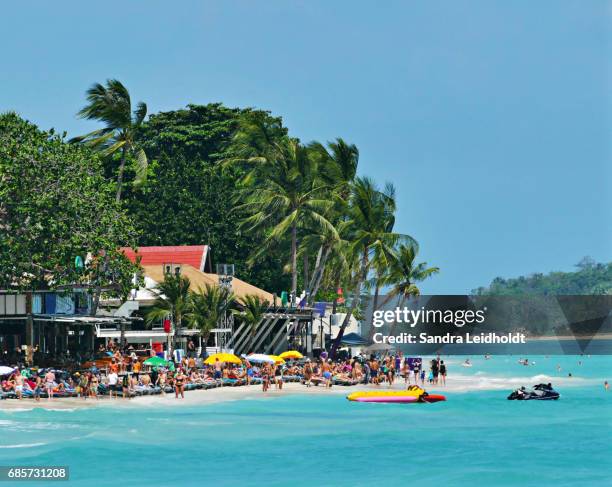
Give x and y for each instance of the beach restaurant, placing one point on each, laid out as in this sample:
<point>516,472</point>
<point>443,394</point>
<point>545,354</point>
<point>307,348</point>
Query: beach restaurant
<point>59,323</point>
<point>52,323</point>
<point>280,326</point>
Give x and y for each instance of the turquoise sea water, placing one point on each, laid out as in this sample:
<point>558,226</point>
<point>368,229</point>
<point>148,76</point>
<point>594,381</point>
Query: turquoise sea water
<point>475,438</point>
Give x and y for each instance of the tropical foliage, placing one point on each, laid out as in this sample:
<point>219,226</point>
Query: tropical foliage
<point>253,309</point>
<point>172,300</point>
<point>111,104</point>
<point>189,199</point>
<point>207,306</point>
<point>310,197</point>
<point>55,205</point>
<point>290,215</point>
<point>590,278</point>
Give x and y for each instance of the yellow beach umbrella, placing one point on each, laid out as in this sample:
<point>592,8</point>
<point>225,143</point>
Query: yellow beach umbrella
<point>291,354</point>
<point>223,357</point>
<point>277,360</point>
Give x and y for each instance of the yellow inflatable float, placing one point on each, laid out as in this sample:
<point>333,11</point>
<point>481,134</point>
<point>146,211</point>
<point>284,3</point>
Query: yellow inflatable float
<point>412,394</point>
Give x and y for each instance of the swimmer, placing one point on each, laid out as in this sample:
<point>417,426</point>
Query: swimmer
<point>606,385</point>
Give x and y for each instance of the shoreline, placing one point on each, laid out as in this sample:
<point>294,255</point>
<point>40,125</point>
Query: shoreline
<point>457,384</point>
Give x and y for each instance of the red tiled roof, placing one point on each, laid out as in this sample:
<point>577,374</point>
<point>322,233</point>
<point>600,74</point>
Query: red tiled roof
<point>194,255</point>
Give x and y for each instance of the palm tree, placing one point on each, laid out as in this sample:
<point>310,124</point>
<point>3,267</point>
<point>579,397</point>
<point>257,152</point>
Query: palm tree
<point>338,161</point>
<point>403,274</point>
<point>172,301</point>
<point>254,308</point>
<point>370,220</point>
<point>281,192</point>
<point>112,105</point>
<point>207,306</point>
<point>338,167</point>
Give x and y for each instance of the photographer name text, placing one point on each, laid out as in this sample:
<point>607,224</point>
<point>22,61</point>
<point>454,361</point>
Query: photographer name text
<point>468,338</point>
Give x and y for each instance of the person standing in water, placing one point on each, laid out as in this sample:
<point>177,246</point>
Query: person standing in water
<point>442,372</point>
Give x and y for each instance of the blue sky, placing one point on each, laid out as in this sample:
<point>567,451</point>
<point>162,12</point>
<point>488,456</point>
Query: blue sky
<point>492,118</point>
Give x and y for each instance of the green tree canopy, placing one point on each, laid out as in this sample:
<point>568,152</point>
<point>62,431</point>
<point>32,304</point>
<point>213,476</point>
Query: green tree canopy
<point>55,204</point>
<point>589,278</point>
<point>188,198</point>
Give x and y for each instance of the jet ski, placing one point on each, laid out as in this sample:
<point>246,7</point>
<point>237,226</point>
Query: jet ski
<point>540,392</point>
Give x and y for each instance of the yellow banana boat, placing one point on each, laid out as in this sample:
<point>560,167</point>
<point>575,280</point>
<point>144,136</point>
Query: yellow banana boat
<point>411,394</point>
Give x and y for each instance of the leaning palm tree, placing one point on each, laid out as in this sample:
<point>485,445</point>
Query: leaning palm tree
<point>112,105</point>
<point>281,192</point>
<point>403,275</point>
<point>172,301</point>
<point>207,306</point>
<point>252,313</point>
<point>370,222</point>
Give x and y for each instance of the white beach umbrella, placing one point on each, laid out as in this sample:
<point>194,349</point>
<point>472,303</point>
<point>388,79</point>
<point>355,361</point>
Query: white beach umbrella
<point>259,358</point>
<point>4,370</point>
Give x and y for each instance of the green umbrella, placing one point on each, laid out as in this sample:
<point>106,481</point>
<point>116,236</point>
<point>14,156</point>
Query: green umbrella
<point>156,362</point>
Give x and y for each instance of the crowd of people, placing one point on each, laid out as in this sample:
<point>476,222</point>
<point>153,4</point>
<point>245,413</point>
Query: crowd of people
<point>124,375</point>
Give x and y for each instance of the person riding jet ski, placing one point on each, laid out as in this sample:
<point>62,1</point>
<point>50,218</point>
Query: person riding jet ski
<point>541,392</point>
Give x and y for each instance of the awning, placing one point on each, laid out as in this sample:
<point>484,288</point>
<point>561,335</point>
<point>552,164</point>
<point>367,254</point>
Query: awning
<point>353,340</point>
<point>81,320</point>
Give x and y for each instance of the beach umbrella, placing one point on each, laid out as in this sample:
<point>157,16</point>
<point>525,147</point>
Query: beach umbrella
<point>277,360</point>
<point>4,370</point>
<point>291,354</point>
<point>223,357</point>
<point>259,358</point>
<point>156,362</point>
<point>353,339</point>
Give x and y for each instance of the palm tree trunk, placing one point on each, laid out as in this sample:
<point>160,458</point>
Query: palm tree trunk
<point>374,308</point>
<point>293,264</point>
<point>306,272</point>
<point>400,305</point>
<point>252,340</point>
<point>317,276</point>
<point>363,272</point>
